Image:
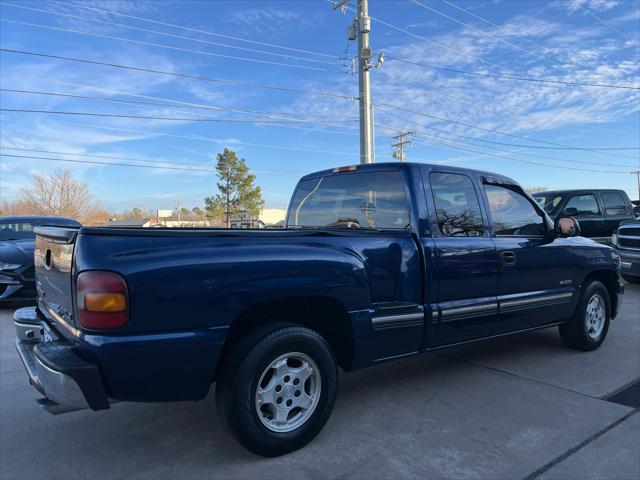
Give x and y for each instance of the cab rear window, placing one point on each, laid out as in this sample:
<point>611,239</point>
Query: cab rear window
<point>373,200</point>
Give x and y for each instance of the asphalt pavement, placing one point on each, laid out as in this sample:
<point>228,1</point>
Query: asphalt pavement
<point>518,407</point>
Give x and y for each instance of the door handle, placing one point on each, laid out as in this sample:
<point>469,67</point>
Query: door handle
<point>508,258</point>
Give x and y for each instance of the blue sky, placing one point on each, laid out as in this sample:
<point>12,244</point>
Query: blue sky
<point>588,41</point>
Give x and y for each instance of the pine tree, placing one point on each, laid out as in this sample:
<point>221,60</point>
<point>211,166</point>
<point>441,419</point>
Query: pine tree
<point>237,192</point>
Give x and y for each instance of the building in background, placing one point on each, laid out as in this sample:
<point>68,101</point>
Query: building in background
<point>142,222</point>
<point>244,220</point>
<point>273,217</point>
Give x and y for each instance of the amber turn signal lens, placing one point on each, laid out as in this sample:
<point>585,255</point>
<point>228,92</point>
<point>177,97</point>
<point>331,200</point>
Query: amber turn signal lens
<point>104,302</point>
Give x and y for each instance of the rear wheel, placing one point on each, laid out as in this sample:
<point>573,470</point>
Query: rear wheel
<point>631,279</point>
<point>277,389</point>
<point>588,327</point>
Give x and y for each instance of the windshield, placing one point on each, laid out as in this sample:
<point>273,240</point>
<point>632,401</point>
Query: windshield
<point>16,230</point>
<point>548,201</point>
<point>355,200</point>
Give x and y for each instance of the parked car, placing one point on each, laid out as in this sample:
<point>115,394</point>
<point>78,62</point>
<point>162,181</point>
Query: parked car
<point>17,241</point>
<point>598,211</point>
<point>627,241</point>
<point>377,262</point>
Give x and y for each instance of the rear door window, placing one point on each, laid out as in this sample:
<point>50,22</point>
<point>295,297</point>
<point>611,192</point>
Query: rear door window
<point>614,203</point>
<point>585,204</point>
<point>353,200</point>
<point>457,205</point>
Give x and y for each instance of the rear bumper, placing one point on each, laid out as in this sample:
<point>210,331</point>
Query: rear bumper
<point>53,367</point>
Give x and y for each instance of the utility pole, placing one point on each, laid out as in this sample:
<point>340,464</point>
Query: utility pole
<point>637,174</point>
<point>403,139</point>
<point>360,29</point>
<point>364,56</point>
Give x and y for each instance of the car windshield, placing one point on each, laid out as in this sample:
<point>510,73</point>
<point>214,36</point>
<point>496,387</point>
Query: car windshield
<point>548,201</point>
<point>12,230</point>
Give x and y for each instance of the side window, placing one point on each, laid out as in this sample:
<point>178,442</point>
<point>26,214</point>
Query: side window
<point>584,204</point>
<point>351,200</point>
<point>513,214</point>
<point>457,206</point>
<point>614,203</point>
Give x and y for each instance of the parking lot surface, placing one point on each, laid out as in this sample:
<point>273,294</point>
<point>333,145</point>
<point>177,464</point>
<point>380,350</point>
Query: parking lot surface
<point>520,407</point>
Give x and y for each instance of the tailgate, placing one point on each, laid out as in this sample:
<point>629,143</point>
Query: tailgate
<point>53,259</point>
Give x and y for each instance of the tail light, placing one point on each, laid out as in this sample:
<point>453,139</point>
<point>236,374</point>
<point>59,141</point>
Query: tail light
<point>102,300</point>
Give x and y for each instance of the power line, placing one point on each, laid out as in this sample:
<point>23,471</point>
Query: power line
<point>507,77</point>
<point>157,32</point>
<point>433,135</point>
<point>509,44</point>
<point>428,40</point>
<point>175,119</point>
<point>171,119</point>
<point>477,127</point>
<point>507,144</point>
<point>182,75</point>
<point>172,162</point>
<point>531,155</point>
<point>457,147</point>
<point>205,32</point>
<point>469,12</point>
<point>604,23</point>
<point>160,104</point>
<point>162,167</point>
<point>217,141</point>
<point>110,157</point>
<point>159,45</point>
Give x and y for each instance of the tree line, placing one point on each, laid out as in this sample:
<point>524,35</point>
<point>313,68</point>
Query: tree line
<point>62,195</point>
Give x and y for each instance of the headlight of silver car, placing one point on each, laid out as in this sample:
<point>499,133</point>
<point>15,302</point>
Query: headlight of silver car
<point>4,266</point>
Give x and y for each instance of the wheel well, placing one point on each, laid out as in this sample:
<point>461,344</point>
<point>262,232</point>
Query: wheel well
<point>610,281</point>
<point>325,315</point>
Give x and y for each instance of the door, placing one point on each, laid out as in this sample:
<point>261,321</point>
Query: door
<point>465,268</point>
<point>616,209</point>
<point>585,208</point>
<point>537,276</point>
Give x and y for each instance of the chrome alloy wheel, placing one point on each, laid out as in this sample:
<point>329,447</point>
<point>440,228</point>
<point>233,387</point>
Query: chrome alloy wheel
<point>288,392</point>
<point>595,316</point>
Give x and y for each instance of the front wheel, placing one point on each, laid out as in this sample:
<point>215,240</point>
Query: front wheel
<point>277,392</point>
<point>588,327</point>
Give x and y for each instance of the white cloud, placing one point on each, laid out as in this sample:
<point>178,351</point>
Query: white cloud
<point>595,5</point>
<point>271,20</point>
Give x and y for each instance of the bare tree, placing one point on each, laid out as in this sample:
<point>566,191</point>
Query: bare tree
<point>57,194</point>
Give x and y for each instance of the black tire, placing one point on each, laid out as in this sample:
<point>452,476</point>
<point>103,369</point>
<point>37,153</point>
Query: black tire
<point>241,372</point>
<point>631,279</point>
<point>576,333</point>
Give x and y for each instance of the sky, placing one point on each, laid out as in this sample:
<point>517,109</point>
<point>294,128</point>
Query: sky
<point>541,134</point>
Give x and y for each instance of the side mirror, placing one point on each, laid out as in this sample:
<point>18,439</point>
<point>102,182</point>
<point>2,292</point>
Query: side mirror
<point>566,227</point>
<point>570,212</point>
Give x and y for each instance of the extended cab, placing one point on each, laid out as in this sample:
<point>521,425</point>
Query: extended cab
<point>377,262</point>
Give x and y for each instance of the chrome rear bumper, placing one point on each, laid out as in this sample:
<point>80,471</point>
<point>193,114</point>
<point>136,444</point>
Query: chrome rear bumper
<point>54,369</point>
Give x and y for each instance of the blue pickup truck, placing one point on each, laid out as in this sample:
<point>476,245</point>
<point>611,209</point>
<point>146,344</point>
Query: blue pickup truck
<point>377,262</point>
